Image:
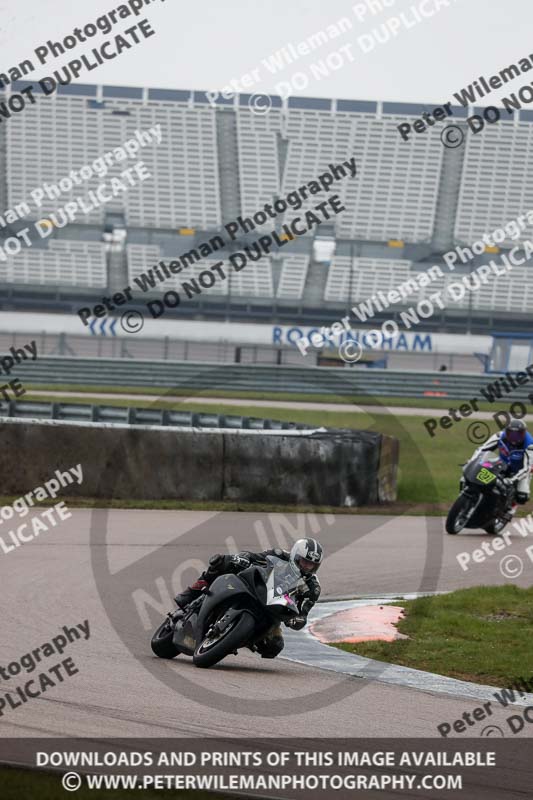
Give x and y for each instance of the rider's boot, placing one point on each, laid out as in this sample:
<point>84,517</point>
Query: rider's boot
<point>183,599</point>
<point>272,644</point>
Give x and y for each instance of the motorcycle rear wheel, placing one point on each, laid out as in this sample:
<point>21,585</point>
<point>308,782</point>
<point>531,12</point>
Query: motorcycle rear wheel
<point>458,515</point>
<point>161,643</point>
<point>212,650</point>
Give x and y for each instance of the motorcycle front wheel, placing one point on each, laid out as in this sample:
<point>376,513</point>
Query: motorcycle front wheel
<point>459,514</point>
<point>215,646</point>
<point>161,642</point>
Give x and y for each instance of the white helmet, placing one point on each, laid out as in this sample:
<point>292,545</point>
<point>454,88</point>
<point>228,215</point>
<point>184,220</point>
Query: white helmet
<point>306,555</point>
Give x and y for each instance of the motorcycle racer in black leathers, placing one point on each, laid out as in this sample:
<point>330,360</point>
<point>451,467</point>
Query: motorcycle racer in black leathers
<point>306,554</point>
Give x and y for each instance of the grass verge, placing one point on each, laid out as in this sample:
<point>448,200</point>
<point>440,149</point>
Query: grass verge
<point>18,784</point>
<point>481,634</point>
<point>220,505</point>
<point>442,403</point>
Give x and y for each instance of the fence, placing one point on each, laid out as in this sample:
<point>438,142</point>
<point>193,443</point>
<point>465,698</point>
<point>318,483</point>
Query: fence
<point>81,412</point>
<point>183,377</point>
<point>169,349</point>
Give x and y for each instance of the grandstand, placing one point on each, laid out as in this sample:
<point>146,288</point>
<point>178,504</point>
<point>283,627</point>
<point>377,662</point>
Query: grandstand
<point>69,263</point>
<point>410,201</point>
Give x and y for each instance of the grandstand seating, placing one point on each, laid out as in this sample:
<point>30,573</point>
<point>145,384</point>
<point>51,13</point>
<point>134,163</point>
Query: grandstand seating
<point>276,154</point>
<point>255,280</point>
<point>45,143</point>
<point>184,188</point>
<point>395,194</point>
<point>369,276</point>
<point>500,294</point>
<point>493,189</point>
<point>358,278</point>
<point>63,263</point>
<point>140,258</point>
<point>69,131</point>
<point>259,158</point>
<point>292,277</point>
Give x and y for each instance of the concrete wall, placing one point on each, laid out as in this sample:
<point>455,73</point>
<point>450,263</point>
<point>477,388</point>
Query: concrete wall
<point>334,468</point>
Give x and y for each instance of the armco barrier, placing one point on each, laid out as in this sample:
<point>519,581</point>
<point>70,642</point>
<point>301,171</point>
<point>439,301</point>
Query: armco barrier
<point>168,375</point>
<point>81,412</point>
<point>332,468</point>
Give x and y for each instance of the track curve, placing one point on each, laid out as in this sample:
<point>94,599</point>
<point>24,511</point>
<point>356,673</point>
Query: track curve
<point>49,583</point>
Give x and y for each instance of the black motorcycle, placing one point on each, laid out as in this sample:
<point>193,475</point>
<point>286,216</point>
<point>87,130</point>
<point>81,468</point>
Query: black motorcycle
<point>485,501</point>
<point>236,611</point>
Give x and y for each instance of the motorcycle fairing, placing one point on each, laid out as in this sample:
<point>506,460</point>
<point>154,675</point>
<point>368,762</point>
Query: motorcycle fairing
<point>485,475</point>
<point>184,634</point>
<point>226,588</point>
<point>485,493</point>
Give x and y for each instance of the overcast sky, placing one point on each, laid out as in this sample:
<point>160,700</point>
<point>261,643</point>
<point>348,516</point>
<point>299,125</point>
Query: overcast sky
<point>206,43</point>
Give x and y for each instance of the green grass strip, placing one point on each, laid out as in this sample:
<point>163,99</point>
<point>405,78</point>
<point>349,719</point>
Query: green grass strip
<point>442,403</point>
<point>18,784</point>
<point>481,634</point>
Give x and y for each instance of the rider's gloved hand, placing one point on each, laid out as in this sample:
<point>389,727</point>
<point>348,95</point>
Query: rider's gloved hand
<point>241,562</point>
<point>522,497</point>
<point>306,606</point>
<point>217,565</point>
<point>297,623</point>
<point>508,485</point>
<point>313,588</point>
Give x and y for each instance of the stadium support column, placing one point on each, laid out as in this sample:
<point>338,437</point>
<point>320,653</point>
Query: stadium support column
<point>283,153</point>
<point>282,150</point>
<point>117,269</point>
<point>228,170</point>
<point>228,164</point>
<point>4,193</point>
<point>448,198</point>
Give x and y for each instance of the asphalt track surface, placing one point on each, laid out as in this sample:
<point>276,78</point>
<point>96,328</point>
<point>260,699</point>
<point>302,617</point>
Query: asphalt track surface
<point>50,582</point>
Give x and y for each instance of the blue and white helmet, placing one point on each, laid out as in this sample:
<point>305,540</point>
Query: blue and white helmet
<point>306,555</point>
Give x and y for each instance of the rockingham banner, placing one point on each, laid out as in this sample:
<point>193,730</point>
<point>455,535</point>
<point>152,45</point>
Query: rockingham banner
<point>244,333</point>
<point>407,341</point>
